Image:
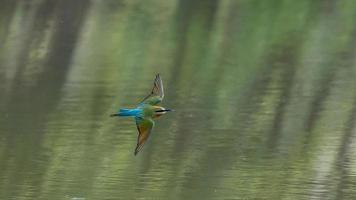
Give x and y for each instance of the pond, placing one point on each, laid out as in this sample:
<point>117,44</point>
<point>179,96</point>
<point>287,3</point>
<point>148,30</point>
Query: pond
<point>264,94</point>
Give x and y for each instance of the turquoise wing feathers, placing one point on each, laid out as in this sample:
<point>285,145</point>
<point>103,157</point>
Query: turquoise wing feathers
<point>157,93</point>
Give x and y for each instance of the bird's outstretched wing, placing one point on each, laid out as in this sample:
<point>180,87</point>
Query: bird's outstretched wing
<point>144,127</point>
<point>157,94</point>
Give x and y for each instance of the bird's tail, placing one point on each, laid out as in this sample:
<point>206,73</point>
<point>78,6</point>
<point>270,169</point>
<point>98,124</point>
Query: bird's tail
<point>126,112</point>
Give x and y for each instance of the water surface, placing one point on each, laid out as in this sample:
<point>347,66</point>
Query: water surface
<point>264,93</point>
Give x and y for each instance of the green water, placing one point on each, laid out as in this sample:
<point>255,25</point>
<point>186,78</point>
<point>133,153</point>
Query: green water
<point>264,93</point>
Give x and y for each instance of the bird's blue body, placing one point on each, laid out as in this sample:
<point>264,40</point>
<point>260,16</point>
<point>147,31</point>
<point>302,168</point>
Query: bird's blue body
<point>135,112</point>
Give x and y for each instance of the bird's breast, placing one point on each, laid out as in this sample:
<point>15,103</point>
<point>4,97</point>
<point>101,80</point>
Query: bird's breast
<point>157,115</point>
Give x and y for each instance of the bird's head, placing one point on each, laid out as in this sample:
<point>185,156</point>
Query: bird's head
<point>159,111</point>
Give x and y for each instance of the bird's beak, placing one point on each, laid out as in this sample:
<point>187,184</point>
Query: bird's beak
<point>169,110</point>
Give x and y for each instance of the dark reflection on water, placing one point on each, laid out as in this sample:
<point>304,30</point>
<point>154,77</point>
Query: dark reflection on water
<point>264,93</point>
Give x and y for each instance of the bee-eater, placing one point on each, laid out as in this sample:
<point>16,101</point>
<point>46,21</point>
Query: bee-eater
<point>144,113</point>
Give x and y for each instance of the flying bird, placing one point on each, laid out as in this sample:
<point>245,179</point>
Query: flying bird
<point>144,113</point>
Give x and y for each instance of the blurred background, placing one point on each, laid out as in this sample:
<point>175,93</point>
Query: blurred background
<point>264,93</point>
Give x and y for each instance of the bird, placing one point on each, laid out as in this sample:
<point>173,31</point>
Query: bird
<point>145,113</point>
